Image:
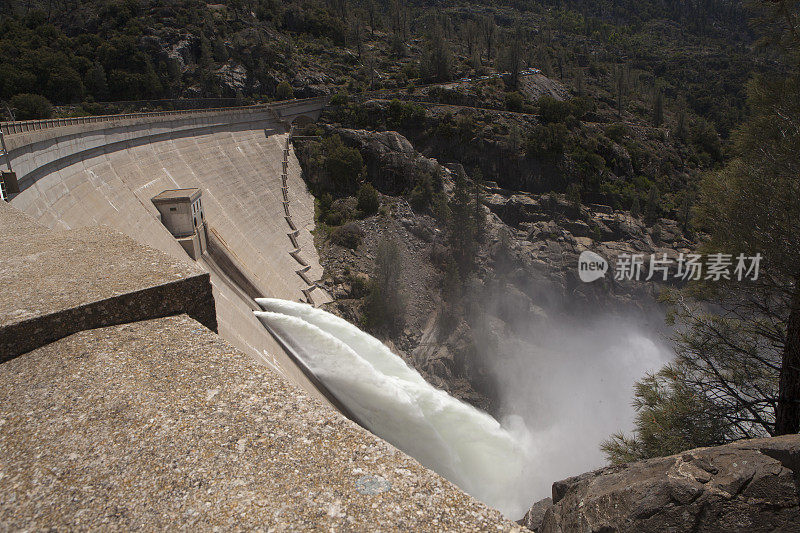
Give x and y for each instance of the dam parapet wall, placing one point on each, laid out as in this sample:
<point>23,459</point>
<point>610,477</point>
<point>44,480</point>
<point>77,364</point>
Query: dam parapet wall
<point>33,146</point>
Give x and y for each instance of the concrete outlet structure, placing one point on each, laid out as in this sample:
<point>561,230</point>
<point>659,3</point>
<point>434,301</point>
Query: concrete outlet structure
<point>182,213</point>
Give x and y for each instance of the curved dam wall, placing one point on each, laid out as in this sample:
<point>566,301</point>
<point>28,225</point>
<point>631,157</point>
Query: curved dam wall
<point>106,171</point>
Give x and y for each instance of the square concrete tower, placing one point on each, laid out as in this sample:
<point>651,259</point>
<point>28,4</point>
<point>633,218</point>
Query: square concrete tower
<point>182,214</point>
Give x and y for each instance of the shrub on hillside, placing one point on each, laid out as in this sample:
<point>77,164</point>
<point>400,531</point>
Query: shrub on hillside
<point>616,132</point>
<point>422,194</point>
<point>31,106</point>
<point>404,114</point>
<point>552,110</point>
<point>340,211</point>
<point>368,202</point>
<point>546,140</point>
<point>343,165</point>
<point>284,91</point>
<point>348,235</point>
<point>338,99</point>
<point>514,101</point>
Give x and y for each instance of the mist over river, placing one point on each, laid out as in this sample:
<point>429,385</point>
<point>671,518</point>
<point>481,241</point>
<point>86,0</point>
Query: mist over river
<point>562,394</point>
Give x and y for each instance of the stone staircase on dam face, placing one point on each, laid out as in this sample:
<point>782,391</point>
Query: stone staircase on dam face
<point>87,176</point>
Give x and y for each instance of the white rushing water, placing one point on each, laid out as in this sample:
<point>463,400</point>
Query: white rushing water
<point>456,440</point>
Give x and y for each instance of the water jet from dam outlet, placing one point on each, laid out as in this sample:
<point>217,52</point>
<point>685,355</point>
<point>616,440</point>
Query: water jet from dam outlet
<point>500,464</point>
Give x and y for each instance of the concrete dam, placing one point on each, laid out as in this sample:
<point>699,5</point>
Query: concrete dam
<point>142,417</point>
<point>107,172</point>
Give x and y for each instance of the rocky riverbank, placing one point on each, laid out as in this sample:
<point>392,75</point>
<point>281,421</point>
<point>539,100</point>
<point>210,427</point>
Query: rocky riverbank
<point>527,261</point>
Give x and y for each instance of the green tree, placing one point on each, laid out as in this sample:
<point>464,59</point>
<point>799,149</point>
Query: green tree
<point>547,140</point>
<point>284,91</point>
<point>437,61</point>
<point>462,225</point>
<point>422,194</point>
<point>552,110</point>
<point>348,235</point>
<point>488,29</point>
<point>31,106</point>
<point>514,101</point>
<point>622,90</point>
<point>64,85</point>
<point>384,306</point>
<point>753,206</point>
<point>664,401</point>
<point>738,341</point>
<point>480,215</point>
<point>97,83</point>
<point>681,123</point>
<point>580,82</point>
<point>704,137</point>
<point>368,202</point>
<point>658,109</point>
<point>636,208</point>
<point>343,165</point>
<point>574,195</point>
<point>651,207</point>
<point>510,58</point>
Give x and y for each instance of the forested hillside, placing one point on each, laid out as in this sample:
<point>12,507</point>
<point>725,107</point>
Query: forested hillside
<point>655,86</point>
<point>634,55</point>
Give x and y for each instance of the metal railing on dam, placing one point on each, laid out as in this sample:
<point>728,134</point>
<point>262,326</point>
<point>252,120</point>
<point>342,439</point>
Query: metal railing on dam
<point>25,126</point>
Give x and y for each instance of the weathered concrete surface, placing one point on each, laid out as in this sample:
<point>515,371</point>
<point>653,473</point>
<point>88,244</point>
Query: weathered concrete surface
<point>56,283</point>
<point>16,224</point>
<point>750,485</point>
<point>162,425</point>
<point>91,174</point>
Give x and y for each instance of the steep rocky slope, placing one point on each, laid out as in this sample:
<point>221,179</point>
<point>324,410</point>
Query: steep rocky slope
<point>526,265</point>
<point>750,485</point>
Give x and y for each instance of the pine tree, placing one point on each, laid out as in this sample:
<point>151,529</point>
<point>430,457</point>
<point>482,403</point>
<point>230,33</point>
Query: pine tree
<point>384,306</point>
<point>621,91</point>
<point>636,209</point>
<point>681,123</point>
<point>437,62</point>
<point>658,109</point>
<point>738,341</point>
<point>488,32</point>
<point>753,206</point>
<point>462,225</point>
<point>479,216</point>
<point>651,207</point>
<point>97,83</point>
<point>580,83</point>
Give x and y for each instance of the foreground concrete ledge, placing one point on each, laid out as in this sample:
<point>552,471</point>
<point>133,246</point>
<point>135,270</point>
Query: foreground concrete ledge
<point>162,425</point>
<point>56,283</point>
<point>15,224</point>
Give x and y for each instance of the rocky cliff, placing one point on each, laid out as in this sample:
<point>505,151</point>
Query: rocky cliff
<point>526,264</point>
<point>750,485</point>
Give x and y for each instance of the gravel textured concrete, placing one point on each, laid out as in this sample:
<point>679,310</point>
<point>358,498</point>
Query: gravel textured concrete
<point>17,224</point>
<point>163,425</point>
<point>56,283</point>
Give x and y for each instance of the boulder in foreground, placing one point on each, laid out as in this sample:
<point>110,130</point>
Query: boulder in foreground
<point>750,485</point>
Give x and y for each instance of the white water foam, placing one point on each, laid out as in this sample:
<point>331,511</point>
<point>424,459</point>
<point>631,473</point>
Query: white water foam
<point>456,440</point>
